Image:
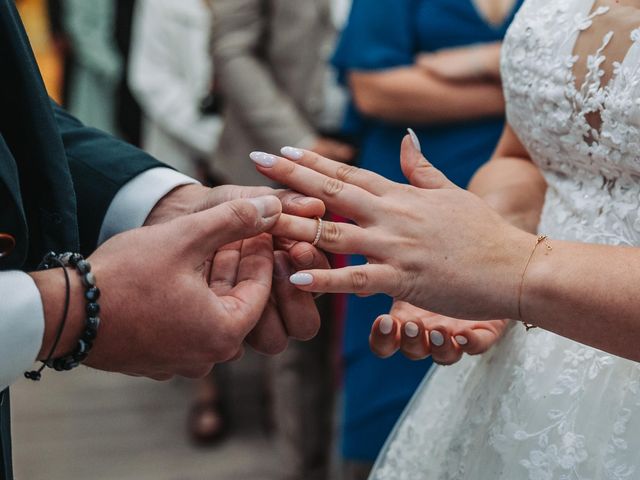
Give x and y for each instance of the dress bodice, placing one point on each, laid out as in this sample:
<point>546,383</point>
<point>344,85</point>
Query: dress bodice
<point>539,406</point>
<point>593,171</point>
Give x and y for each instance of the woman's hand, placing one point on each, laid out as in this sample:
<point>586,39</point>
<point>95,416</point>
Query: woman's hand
<point>437,247</point>
<point>471,63</point>
<point>418,334</point>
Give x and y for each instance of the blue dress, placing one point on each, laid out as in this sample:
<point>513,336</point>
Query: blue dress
<point>383,34</point>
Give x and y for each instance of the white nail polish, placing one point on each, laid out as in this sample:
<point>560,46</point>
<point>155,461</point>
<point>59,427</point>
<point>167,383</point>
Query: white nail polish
<point>461,340</point>
<point>301,279</point>
<point>263,159</point>
<point>386,325</point>
<point>436,338</point>
<point>415,139</point>
<point>411,330</point>
<point>292,153</point>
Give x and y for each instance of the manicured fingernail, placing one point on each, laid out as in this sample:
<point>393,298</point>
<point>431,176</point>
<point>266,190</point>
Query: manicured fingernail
<point>301,279</point>
<point>292,153</point>
<point>415,139</point>
<point>461,340</point>
<point>267,206</point>
<point>263,159</point>
<point>411,330</point>
<point>386,325</point>
<point>436,338</point>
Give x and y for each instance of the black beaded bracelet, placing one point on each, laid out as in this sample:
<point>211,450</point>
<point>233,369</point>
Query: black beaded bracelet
<point>92,310</point>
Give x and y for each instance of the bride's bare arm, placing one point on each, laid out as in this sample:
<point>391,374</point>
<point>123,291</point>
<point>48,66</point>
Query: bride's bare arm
<point>445,250</point>
<point>511,183</point>
<point>588,293</point>
<point>514,187</point>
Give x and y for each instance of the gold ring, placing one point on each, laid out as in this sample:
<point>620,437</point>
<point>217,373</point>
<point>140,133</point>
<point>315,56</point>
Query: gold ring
<point>316,240</point>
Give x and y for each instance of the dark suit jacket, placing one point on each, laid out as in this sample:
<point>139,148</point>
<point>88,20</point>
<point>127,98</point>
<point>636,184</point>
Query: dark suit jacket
<point>57,177</point>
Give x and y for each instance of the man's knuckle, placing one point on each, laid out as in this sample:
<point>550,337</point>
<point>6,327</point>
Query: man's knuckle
<point>274,346</point>
<point>332,187</point>
<point>243,214</point>
<point>227,352</point>
<point>306,331</point>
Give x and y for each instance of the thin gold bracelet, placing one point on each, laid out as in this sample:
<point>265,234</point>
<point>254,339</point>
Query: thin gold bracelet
<point>541,239</point>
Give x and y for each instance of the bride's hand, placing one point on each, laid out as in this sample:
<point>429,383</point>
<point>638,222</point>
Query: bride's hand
<point>418,334</point>
<point>437,247</point>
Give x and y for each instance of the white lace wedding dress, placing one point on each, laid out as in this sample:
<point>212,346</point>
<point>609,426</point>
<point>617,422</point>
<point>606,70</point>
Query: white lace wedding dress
<point>539,406</point>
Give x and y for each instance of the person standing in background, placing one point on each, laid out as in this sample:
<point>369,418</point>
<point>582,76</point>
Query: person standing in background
<point>98,64</point>
<point>432,65</point>
<point>170,72</point>
<point>272,67</point>
<point>272,63</point>
<point>62,45</point>
<point>128,112</point>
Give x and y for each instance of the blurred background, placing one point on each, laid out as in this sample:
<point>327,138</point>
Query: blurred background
<point>200,84</point>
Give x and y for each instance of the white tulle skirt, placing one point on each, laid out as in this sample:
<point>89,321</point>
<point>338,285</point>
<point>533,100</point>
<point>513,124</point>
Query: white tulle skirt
<point>537,407</point>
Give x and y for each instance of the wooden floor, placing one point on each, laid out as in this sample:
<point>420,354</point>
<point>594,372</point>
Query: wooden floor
<point>89,425</point>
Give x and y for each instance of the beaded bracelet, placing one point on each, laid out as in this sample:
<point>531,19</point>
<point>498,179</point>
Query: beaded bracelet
<point>92,310</point>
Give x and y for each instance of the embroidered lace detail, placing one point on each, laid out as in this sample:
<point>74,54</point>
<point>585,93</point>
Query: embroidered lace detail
<point>539,406</point>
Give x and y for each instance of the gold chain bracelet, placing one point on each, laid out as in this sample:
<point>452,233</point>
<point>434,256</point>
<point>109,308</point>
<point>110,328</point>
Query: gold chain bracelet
<point>541,239</point>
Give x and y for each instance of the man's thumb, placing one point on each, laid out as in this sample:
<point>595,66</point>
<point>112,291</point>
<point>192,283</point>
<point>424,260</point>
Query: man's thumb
<point>417,169</point>
<point>208,230</point>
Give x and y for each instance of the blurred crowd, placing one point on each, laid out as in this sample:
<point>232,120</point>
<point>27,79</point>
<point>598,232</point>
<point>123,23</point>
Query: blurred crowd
<point>202,83</point>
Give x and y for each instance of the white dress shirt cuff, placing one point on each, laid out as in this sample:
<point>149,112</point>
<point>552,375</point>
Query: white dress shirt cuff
<point>132,204</point>
<point>21,325</point>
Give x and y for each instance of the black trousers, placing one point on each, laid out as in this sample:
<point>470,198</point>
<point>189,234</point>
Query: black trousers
<point>6,472</point>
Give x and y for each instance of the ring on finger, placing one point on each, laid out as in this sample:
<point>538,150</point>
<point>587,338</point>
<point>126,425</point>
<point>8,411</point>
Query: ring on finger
<point>316,240</point>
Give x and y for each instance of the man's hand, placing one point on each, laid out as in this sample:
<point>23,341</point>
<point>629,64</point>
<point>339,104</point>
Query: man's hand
<point>290,313</point>
<point>195,198</point>
<point>418,334</point>
<point>160,315</point>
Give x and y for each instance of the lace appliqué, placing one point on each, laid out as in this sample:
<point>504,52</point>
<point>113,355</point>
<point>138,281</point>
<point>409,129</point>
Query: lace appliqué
<point>539,406</point>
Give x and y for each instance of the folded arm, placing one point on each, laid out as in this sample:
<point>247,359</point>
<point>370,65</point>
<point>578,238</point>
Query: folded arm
<point>511,183</point>
<point>413,95</point>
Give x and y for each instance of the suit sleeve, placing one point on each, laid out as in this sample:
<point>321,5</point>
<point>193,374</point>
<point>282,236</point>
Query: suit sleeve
<point>100,166</point>
<point>116,185</point>
<point>248,86</point>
